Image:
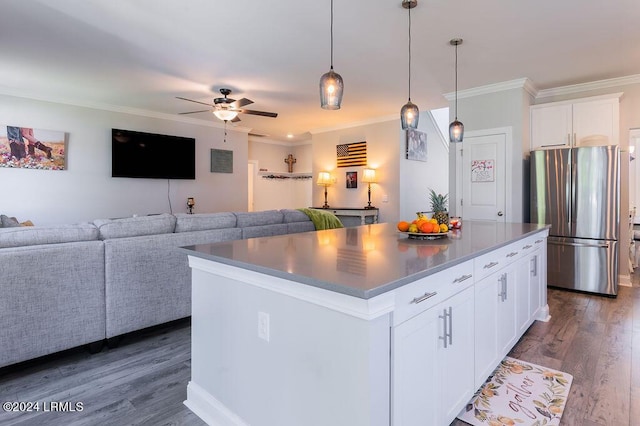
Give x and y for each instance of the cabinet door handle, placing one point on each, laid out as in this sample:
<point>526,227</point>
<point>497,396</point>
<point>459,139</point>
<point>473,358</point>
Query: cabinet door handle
<point>490,265</point>
<point>423,297</point>
<point>446,316</point>
<point>513,253</point>
<point>450,327</point>
<point>569,139</point>
<point>462,278</point>
<point>534,261</point>
<point>503,287</point>
<point>527,247</point>
<point>538,241</point>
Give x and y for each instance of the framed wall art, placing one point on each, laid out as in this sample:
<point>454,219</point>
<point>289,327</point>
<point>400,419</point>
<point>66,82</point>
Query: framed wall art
<point>221,161</point>
<point>416,145</point>
<point>28,148</point>
<point>352,180</point>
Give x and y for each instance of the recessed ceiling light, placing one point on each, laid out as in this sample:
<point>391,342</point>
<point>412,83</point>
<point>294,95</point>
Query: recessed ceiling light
<point>290,135</point>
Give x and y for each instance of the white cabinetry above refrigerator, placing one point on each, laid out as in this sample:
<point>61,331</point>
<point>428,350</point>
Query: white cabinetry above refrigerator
<point>579,122</point>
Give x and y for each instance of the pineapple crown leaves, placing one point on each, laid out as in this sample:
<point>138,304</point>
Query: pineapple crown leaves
<point>438,201</point>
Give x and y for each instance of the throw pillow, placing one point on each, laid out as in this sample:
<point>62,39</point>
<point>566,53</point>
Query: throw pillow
<point>8,222</point>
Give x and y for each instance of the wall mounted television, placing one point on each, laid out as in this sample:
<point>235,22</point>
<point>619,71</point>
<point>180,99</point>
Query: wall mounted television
<point>153,156</point>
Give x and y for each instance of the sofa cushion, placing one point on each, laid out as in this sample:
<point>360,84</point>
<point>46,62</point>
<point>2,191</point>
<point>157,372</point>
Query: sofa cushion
<point>136,226</point>
<point>203,221</point>
<point>8,222</point>
<point>267,217</point>
<point>291,215</point>
<point>34,235</point>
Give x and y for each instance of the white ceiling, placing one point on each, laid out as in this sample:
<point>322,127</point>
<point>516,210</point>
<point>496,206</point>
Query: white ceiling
<point>143,53</point>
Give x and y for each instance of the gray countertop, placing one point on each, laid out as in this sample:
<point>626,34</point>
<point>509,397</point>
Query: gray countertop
<point>363,261</point>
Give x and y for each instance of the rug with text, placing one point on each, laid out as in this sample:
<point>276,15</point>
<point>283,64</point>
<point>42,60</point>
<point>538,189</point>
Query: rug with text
<point>519,393</point>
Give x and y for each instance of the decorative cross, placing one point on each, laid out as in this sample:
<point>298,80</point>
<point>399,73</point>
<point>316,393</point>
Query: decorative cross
<point>290,160</point>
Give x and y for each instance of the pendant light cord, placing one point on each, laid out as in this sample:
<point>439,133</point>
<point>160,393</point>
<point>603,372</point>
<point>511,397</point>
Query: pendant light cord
<point>332,35</point>
<point>409,52</point>
<point>457,81</point>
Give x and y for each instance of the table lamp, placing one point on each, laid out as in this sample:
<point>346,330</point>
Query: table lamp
<point>324,179</point>
<point>369,176</point>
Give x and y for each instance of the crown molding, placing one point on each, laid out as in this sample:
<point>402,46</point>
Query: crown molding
<point>6,91</point>
<point>355,124</point>
<point>520,83</point>
<point>593,85</point>
<point>278,142</point>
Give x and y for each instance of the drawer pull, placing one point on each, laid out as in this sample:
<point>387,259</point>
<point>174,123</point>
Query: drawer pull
<point>527,247</point>
<point>538,241</point>
<point>462,278</point>
<point>513,253</point>
<point>423,297</point>
<point>490,265</point>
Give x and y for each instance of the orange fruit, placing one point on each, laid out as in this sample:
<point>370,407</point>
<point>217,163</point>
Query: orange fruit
<point>425,227</point>
<point>403,226</point>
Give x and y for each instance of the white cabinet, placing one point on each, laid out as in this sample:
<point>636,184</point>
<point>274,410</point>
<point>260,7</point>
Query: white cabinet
<point>433,363</point>
<point>577,122</point>
<point>495,320</point>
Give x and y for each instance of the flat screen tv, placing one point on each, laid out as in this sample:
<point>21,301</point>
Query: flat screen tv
<point>149,155</point>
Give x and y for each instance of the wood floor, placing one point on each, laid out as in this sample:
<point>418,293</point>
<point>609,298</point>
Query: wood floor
<point>143,381</point>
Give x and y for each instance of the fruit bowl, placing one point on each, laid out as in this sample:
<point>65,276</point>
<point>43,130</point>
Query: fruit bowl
<point>425,236</point>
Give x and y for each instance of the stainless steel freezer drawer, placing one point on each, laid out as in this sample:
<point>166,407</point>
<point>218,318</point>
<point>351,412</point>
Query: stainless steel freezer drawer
<point>584,265</point>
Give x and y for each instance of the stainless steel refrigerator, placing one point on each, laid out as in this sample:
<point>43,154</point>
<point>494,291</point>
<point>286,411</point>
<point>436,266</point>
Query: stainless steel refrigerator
<point>577,192</point>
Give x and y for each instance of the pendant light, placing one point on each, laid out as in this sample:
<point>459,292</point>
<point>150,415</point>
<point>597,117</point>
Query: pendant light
<point>409,114</point>
<point>331,84</point>
<point>456,128</point>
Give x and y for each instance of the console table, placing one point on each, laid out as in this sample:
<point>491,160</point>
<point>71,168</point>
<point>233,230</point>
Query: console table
<point>347,211</point>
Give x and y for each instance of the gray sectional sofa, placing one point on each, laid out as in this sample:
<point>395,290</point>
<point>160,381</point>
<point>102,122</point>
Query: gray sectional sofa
<point>70,285</point>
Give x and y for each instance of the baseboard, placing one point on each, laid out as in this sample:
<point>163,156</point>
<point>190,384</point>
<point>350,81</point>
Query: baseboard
<point>624,280</point>
<point>209,409</point>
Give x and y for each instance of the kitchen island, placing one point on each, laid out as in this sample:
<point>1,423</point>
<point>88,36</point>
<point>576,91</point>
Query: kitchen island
<point>358,326</point>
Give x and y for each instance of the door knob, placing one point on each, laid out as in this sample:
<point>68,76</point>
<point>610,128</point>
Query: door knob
<point>499,213</point>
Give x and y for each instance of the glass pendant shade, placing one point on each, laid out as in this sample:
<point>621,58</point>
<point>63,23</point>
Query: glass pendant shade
<point>409,115</point>
<point>331,88</point>
<point>456,131</point>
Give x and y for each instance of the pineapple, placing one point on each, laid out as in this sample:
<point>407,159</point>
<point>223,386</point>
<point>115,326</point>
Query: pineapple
<point>439,207</point>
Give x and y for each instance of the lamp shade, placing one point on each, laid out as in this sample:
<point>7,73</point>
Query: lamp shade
<point>225,114</point>
<point>369,176</point>
<point>331,88</point>
<point>324,178</point>
<point>409,115</point>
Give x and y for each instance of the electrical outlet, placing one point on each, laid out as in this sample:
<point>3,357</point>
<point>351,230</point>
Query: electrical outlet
<point>263,326</point>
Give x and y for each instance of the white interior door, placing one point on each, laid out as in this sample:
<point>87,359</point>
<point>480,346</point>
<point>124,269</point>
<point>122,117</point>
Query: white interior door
<point>483,176</point>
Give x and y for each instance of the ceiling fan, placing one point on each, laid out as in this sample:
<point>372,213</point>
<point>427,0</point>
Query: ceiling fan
<point>227,109</point>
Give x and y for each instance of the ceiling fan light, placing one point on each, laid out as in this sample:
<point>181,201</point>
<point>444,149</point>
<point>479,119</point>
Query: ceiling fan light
<point>409,115</point>
<point>225,114</point>
<point>456,131</point>
<point>331,89</point>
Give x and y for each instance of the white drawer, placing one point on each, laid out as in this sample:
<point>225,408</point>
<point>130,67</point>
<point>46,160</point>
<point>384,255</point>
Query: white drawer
<point>489,263</point>
<point>427,292</point>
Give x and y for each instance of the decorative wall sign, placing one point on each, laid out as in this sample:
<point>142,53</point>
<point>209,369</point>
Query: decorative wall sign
<point>221,161</point>
<point>482,170</point>
<point>416,145</point>
<point>352,154</point>
<point>352,179</point>
<point>27,148</point>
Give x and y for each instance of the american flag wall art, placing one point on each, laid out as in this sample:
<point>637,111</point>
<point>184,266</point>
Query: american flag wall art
<point>352,154</point>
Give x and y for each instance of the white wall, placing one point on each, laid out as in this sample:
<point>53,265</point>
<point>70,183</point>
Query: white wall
<point>86,190</point>
<point>404,183</point>
<point>281,193</point>
<point>505,108</point>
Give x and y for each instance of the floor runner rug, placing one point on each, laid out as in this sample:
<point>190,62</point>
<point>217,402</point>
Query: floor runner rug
<point>519,393</point>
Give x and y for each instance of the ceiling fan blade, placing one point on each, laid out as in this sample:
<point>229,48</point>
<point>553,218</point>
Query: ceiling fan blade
<point>235,119</point>
<point>262,113</point>
<point>241,102</point>
<point>194,112</point>
<point>191,100</point>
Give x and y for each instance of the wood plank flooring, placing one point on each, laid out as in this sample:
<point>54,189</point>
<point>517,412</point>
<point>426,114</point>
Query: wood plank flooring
<point>143,381</point>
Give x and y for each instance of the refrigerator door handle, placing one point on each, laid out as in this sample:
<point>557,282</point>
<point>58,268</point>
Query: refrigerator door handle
<point>558,243</point>
<point>568,192</point>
